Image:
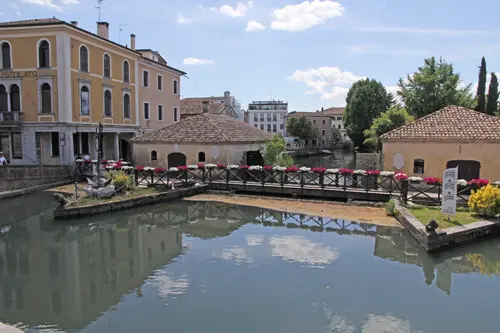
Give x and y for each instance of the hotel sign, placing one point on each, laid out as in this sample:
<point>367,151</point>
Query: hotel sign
<point>9,74</point>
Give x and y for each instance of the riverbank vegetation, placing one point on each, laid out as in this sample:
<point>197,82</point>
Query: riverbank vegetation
<point>461,218</point>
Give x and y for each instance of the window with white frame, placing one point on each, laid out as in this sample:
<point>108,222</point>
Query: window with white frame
<point>160,82</point>
<point>85,100</point>
<point>84,58</point>
<point>15,98</point>
<point>176,116</point>
<point>145,79</point>
<point>43,54</point>
<point>5,55</point>
<point>108,103</point>
<point>126,106</point>
<point>46,98</point>
<point>126,71</point>
<point>106,65</point>
<point>176,88</point>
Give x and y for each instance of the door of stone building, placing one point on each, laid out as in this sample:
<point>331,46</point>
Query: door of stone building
<point>467,169</point>
<point>176,159</point>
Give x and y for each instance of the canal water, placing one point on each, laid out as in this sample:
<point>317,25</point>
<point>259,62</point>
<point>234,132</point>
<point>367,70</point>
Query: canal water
<point>339,159</point>
<point>210,267</point>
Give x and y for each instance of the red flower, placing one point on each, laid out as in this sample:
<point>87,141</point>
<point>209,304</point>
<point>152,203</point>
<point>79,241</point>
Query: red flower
<point>221,166</point>
<point>159,170</point>
<point>293,168</point>
<point>244,167</point>
<point>318,170</point>
<point>87,162</point>
<point>346,171</point>
<point>268,167</point>
<point>103,161</point>
<point>373,172</point>
<point>201,165</point>
<point>401,176</point>
<point>139,168</point>
<point>118,165</point>
<point>433,180</point>
<point>479,182</point>
<point>182,167</point>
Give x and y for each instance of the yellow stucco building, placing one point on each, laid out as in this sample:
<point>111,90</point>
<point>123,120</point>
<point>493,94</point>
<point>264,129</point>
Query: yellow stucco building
<point>451,137</point>
<point>58,82</point>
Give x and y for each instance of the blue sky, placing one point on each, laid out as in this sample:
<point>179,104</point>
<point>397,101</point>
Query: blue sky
<point>305,52</point>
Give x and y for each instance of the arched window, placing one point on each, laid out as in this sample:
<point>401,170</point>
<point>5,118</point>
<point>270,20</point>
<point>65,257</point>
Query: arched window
<point>126,71</point>
<point>126,106</point>
<point>84,59</point>
<point>201,156</point>
<point>85,100</point>
<point>44,54</point>
<point>46,98</point>
<point>107,65</point>
<point>3,98</point>
<point>418,166</point>
<point>6,61</point>
<point>15,98</point>
<point>107,104</point>
<point>154,155</point>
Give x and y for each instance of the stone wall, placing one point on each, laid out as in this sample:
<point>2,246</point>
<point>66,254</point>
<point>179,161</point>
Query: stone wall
<point>368,161</point>
<point>16,177</point>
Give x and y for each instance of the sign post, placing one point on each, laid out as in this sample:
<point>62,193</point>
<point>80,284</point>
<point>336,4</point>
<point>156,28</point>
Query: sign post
<point>449,201</point>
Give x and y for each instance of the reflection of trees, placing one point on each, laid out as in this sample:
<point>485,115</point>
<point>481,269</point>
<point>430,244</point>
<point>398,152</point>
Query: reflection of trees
<point>485,266</point>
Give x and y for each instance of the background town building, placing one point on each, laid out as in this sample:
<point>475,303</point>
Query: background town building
<point>58,82</point>
<point>337,114</point>
<point>227,105</point>
<point>206,138</point>
<point>453,136</point>
<point>323,127</point>
<point>269,116</point>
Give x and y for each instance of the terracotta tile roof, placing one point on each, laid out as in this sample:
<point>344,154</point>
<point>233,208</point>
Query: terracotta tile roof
<point>201,99</point>
<point>334,111</point>
<point>197,107</point>
<point>307,114</point>
<point>205,128</point>
<point>31,22</point>
<point>453,123</point>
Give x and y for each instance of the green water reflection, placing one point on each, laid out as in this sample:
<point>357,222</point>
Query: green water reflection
<point>211,267</point>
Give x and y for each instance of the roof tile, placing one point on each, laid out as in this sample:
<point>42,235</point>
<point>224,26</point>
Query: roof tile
<point>452,123</point>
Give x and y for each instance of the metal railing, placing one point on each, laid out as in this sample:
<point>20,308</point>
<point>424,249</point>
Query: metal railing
<point>11,117</point>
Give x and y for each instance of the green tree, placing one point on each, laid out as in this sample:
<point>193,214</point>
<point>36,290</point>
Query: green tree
<point>336,138</point>
<point>393,118</point>
<point>492,106</point>
<point>276,152</point>
<point>481,88</point>
<point>366,100</point>
<point>301,128</point>
<point>434,86</point>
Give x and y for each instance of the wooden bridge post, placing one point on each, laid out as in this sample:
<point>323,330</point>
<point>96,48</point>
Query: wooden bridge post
<point>136,177</point>
<point>404,190</point>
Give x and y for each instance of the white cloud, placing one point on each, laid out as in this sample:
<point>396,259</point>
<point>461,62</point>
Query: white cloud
<point>331,82</point>
<point>238,11</point>
<point>197,61</point>
<point>183,20</point>
<point>45,3</point>
<point>236,254</point>
<point>412,30</point>
<point>253,240</point>
<point>170,286</point>
<point>302,250</point>
<point>70,2</point>
<point>14,6</point>
<point>254,26</point>
<point>386,324</point>
<point>305,15</point>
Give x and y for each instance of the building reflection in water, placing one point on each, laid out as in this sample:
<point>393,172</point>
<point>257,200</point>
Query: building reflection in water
<point>68,275</point>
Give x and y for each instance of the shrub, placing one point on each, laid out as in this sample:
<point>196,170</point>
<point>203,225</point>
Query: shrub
<point>485,201</point>
<point>390,207</point>
<point>120,180</point>
<point>347,145</point>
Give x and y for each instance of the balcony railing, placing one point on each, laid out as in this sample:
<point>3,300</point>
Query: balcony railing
<point>11,118</point>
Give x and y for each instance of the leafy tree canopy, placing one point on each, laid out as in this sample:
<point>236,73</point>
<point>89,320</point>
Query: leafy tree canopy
<point>393,118</point>
<point>492,107</point>
<point>434,86</point>
<point>301,128</point>
<point>276,152</point>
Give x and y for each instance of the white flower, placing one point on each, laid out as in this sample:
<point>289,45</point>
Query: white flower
<point>173,169</point>
<point>192,167</point>
<point>127,167</point>
<point>333,171</point>
<point>148,169</point>
<point>497,183</point>
<point>110,166</point>
<point>279,168</point>
<point>415,179</point>
<point>461,182</point>
<point>232,166</point>
<point>210,166</point>
<point>387,173</point>
<point>125,163</point>
<point>94,161</point>
<point>256,168</point>
<point>111,161</point>
<point>359,172</point>
<point>304,169</point>
<point>79,160</point>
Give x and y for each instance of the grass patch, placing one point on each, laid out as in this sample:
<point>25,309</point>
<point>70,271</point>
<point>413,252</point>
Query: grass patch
<point>462,217</point>
<point>138,192</point>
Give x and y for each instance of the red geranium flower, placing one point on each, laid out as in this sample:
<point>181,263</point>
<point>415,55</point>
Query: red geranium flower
<point>221,166</point>
<point>318,170</point>
<point>479,182</point>
<point>139,168</point>
<point>401,176</point>
<point>201,165</point>
<point>159,170</point>
<point>244,167</point>
<point>373,172</point>
<point>293,168</point>
<point>433,180</point>
<point>182,167</point>
<point>346,171</point>
<point>103,161</point>
<point>268,167</point>
<point>87,161</point>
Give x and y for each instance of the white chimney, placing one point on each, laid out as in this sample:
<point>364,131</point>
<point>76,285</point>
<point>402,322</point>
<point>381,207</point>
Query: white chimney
<point>132,41</point>
<point>103,29</point>
<point>75,23</point>
<point>227,98</point>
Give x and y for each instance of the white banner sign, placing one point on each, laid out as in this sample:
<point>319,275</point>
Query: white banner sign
<point>449,200</point>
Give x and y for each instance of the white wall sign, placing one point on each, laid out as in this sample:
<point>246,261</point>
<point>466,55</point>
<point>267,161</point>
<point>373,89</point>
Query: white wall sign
<point>176,148</point>
<point>215,151</point>
<point>398,161</point>
<point>449,201</point>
